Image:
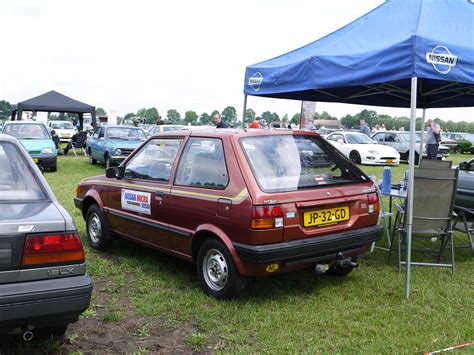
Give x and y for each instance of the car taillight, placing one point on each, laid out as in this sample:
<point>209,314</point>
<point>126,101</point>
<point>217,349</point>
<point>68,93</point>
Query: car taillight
<point>268,216</point>
<point>52,248</point>
<point>78,190</point>
<point>373,202</point>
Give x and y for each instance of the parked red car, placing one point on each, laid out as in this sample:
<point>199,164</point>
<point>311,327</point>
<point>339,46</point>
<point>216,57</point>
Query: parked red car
<point>236,203</point>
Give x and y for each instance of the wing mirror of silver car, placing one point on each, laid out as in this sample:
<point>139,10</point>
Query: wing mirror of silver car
<point>115,172</point>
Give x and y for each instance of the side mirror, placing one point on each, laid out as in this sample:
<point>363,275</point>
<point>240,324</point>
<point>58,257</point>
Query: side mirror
<point>375,142</point>
<point>340,141</point>
<point>115,172</point>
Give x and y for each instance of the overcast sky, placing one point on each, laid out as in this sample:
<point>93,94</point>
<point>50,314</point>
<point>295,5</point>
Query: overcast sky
<point>123,55</point>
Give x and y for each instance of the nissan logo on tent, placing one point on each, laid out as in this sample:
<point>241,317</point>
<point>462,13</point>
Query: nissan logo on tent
<point>441,59</point>
<point>255,81</point>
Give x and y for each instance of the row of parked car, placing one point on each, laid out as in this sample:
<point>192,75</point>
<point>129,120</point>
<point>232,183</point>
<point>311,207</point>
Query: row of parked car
<point>236,203</point>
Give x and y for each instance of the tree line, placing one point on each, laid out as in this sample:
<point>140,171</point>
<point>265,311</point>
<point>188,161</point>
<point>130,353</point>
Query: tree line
<point>229,116</point>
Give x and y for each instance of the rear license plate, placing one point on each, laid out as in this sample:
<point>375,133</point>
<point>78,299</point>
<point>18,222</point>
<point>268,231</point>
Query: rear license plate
<point>35,160</point>
<point>67,137</point>
<point>326,216</point>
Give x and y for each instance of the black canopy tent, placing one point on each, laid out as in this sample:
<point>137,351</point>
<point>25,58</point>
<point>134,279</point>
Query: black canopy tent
<point>53,101</point>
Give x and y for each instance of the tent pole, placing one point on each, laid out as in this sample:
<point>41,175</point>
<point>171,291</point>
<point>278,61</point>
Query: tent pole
<point>245,109</point>
<point>422,129</point>
<point>411,180</point>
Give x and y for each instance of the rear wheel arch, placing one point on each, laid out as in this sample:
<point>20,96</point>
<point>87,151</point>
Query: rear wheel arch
<point>205,232</point>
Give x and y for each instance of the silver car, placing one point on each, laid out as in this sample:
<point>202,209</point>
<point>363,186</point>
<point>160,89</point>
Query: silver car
<point>43,280</point>
<point>400,140</point>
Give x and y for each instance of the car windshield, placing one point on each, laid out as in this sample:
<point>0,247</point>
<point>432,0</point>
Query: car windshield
<point>126,133</point>
<point>406,136</point>
<point>62,125</point>
<point>296,162</point>
<point>17,179</point>
<point>358,138</point>
<point>27,131</point>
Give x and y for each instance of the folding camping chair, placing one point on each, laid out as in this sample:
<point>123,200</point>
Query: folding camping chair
<point>436,164</point>
<point>433,203</point>
<point>80,143</point>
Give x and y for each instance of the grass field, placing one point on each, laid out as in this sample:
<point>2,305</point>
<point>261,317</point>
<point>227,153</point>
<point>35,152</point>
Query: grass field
<point>365,312</point>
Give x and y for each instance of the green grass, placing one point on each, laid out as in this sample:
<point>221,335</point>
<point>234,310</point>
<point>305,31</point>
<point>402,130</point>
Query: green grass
<point>365,312</point>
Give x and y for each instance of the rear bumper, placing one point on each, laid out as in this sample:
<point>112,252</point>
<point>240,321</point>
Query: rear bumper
<point>310,249</point>
<point>44,303</point>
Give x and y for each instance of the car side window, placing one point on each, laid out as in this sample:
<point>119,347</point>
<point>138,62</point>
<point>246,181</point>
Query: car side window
<point>390,137</point>
<point>154,160</point>
<point>379,137</point>
<point>338,138</point>
<point>101,132</point>
<point>202,164</point>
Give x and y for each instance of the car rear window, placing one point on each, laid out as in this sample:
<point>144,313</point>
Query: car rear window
<point>27,131</point>
<point>296,162</point>
<point>18,182</point>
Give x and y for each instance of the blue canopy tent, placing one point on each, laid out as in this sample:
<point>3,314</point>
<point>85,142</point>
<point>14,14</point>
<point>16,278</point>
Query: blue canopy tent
<point>404,53</point>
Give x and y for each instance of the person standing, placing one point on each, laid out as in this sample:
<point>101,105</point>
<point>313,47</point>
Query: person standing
<point>433,139</point>
<point>364,128</point>
<point>218,121</point>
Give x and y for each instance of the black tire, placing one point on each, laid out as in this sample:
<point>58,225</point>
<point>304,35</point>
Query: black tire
<point>339,270</point>
<point>108,161</point>
<point>216,271</point>
<point>355,157</point>
<point>98,232</point>
<point>417,157</point>
<point>92,160</point>
<point>459,150</point>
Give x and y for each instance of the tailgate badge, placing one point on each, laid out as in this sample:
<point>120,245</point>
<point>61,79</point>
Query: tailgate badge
<point>269,202</point>
<point>328,193</point>
<point>23,229</point>
<point>290,215</point>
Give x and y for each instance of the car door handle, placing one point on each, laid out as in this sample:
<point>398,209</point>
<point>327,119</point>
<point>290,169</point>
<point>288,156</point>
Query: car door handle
<point>159,194</point>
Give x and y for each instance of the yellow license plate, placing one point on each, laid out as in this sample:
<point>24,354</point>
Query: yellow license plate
<point>35,160</point>
<point>67,137</point>
<point>326,216</point>
<point>389,161</point>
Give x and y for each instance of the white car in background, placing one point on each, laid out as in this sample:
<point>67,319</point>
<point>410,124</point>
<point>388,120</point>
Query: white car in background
<point>359,148</point>
<point>64,129</point>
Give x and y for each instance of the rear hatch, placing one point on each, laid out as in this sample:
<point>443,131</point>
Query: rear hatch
<point>318,189</point>
<point>16,222</point>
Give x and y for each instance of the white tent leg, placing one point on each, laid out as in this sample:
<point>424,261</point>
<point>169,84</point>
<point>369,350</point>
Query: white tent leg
<point>411,180</point>
<point>422,129</point>
<point>244,112</point>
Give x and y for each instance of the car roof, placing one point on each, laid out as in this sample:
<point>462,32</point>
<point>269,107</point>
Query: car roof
<point>238,132</point>
<point>120,126</point>
<point>24,122</point>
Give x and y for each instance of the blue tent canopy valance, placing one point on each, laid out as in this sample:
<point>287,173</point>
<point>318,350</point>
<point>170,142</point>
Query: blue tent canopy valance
<point>371,61</point>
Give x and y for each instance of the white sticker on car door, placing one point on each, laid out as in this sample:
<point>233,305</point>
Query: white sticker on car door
<point>136,201</point>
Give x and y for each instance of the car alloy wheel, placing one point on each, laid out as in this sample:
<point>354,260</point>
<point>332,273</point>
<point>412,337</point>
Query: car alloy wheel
<point>215,270</point>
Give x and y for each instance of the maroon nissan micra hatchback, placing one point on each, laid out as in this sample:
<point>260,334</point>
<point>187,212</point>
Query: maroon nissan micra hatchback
<point>236,203</point>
